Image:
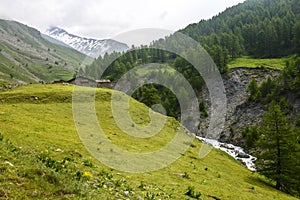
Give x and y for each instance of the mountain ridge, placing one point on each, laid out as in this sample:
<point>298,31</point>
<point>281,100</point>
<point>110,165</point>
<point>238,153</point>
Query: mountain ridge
<point>27,57</point>
<point>89,46</point>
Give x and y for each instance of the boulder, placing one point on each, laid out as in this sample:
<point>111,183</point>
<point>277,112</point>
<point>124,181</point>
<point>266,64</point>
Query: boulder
<point>242,155</point>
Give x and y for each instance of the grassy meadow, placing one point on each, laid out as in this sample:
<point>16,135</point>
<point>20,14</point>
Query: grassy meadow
<point>42,156</point>
<point>272,63</point>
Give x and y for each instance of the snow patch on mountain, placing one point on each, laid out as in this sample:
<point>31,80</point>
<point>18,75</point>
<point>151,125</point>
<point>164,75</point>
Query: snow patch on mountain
<point>88,46</point>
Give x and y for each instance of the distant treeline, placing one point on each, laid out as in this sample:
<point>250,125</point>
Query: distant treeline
<point>257,28</point>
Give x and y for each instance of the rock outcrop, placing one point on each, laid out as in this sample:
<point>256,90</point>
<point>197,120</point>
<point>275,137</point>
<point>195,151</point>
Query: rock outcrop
<point>240,112</point>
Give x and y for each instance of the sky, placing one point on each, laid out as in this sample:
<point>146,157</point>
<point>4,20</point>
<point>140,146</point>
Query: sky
<point>104,19</point>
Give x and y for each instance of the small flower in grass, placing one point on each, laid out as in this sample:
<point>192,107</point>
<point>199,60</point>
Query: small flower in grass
<point>87,174</point>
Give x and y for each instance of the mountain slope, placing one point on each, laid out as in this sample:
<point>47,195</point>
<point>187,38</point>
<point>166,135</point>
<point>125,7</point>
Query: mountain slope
<point>46,159</point>
<point>90,47</point>
<point>55,41</point>
<point>256,28</point>
<point>26,57</point>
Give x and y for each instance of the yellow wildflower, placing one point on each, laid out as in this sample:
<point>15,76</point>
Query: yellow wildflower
<point>87,174</point>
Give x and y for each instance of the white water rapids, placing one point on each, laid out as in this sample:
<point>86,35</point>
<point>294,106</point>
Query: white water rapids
<point>236,152</point>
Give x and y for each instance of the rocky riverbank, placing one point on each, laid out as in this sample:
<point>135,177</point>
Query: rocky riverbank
<point>236,152</point>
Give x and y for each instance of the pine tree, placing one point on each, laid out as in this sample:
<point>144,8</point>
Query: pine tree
<point>296,39</point>
<point>278,159</point>
<point>149,95</point>
<point>253,90</point>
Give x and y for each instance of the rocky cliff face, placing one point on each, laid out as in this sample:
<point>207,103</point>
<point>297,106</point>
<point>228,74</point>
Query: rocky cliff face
<point>240,112</point>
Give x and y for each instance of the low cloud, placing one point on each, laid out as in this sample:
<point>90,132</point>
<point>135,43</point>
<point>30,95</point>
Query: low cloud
<point>105,19</point>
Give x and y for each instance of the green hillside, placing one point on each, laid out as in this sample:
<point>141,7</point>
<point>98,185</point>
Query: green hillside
<point>255,28</point>
<point>42,156</point>
<point>25,56</point>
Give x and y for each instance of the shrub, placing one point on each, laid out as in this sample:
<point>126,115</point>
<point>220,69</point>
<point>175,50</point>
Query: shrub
<point>298,120</point>
<point>106,175</point>
<point>186,175</point>
<point>202,106</point>
<point>254,91</point>
<point>87,163</point>
<point>191,192</point>
<point>205,113</point>
<point>12,148</point>
<point>142,185</point>
<point>251,135</point>
<point>203,109</point>
<point>50,162</point>
<point>149,196</point>
<point>231,130</point>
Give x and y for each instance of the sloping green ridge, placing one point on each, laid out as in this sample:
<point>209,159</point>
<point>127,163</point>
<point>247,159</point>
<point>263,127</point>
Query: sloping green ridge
<point>36,123</point>
<point>26,56</point>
